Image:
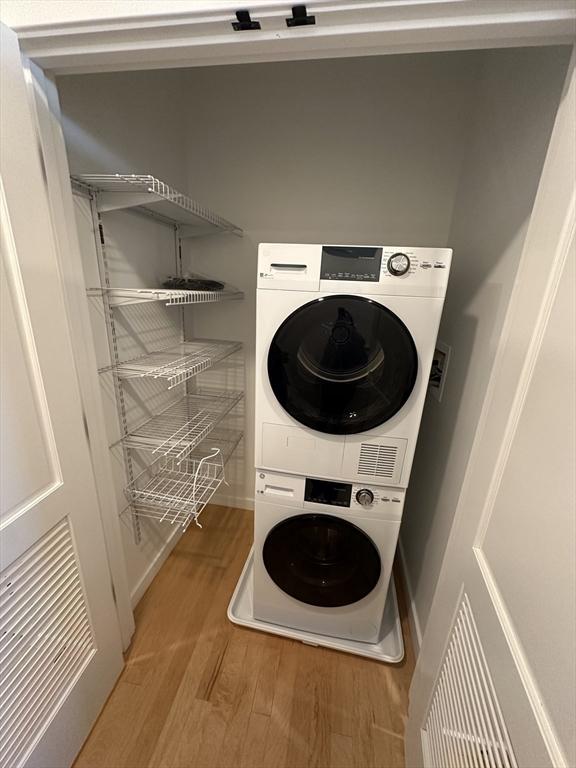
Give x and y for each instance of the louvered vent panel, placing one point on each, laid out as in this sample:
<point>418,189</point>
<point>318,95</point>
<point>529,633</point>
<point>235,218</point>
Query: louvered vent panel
<point>465,727</point>
<point>378,460</point>
<point>45,639</point>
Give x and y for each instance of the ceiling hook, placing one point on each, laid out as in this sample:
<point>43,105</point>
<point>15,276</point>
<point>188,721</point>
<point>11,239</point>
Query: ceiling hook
<point>244,22</point>
<point>300,17</point>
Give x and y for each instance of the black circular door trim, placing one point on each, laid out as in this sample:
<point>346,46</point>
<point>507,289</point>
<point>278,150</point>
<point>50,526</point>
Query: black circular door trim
<point>342,364</point>
<point>321,560</point>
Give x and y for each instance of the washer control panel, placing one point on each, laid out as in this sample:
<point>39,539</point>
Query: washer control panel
<point>310,492</point>
<point>349,495</point>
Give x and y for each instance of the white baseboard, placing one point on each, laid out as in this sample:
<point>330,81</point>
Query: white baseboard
<point>241,502</point>
<point>412,612</point>
<point>154,566</point>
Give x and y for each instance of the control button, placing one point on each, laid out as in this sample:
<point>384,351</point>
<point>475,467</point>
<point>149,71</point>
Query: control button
<point>396,500</point>
<point>398,264</point>
<point>364,497</point>
<point>426,265</point>
<point>439,265</point>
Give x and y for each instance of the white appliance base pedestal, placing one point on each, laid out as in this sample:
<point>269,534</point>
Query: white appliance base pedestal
<point>390,649</point>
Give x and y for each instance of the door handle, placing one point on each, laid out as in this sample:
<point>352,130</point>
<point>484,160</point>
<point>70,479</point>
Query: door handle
<point>278,490</point>
<point>289,267</point>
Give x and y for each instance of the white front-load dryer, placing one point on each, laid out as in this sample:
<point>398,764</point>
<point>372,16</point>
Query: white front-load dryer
<point>323,554</point>
<point>344,344</point>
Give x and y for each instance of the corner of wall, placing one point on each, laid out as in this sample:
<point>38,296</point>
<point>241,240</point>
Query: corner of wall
<point>415,628</point>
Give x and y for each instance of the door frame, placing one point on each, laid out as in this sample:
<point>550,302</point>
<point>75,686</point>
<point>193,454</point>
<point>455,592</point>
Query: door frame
<point>343,28</point>
<point>204,38</point>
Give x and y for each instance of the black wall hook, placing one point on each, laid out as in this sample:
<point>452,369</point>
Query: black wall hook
<point>300,17</point>
<point>244,22</point>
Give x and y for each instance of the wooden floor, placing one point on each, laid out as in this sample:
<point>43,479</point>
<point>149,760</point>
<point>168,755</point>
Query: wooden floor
<point>199,692</point>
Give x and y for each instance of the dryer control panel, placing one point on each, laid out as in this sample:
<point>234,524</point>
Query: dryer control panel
<point>398,270</point>
<point>352,263</point>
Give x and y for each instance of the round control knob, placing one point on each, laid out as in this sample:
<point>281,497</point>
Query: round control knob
<point>398,264</point>
<point>364,497</point>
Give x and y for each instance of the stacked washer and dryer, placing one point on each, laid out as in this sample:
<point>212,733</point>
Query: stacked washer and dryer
<point>344,344</point>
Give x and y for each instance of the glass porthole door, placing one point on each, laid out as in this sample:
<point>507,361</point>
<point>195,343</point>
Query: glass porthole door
<point>342,364</point>
<point>321,560</point>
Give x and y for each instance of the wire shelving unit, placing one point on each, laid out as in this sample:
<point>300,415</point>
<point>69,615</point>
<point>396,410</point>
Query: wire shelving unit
<point>143,191</point>
<point>120,297</point>
<point>177,364</point>
<point>187,430</point>
<point>178,430</point>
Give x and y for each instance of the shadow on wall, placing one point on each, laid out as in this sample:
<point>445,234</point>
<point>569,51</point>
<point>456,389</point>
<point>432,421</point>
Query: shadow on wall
<point>514,111</point>
<point>476,305</point>
<point>126,122</point>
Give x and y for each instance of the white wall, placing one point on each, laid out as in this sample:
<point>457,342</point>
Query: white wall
<point>513,117</point>
<point>20,14</point>
<point>359,150</point>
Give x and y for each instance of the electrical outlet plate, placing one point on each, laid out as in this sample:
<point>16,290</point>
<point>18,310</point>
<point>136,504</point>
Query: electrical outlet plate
<point>439,370</point>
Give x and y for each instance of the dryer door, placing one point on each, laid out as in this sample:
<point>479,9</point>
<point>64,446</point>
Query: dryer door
<point>342,364</point>
<point>321,560</point>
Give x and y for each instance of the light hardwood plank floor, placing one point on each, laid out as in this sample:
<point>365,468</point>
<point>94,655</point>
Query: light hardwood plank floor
<point>200,692</point>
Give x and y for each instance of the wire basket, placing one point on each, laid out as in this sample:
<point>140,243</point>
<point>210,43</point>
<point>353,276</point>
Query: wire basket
<point>177,491</point>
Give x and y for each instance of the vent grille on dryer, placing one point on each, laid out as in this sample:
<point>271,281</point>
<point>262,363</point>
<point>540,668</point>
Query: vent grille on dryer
<point>45,638</point>
<point>378,460</point>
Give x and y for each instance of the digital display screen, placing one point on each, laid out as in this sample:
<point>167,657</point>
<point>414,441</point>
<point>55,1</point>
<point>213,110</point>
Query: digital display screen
<point>328,492</point>
<point>340,262</point>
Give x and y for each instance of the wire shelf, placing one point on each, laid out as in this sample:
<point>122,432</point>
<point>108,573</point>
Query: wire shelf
<point>170,297</point>
<point>174,492</point>
<point>177,364</point>
<point>116,191</point>
<point>176,431</point>
<point>223,438</point>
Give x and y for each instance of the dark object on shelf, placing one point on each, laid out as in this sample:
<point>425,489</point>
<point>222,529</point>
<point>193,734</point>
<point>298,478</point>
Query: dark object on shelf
<point>244,22</point>
<point>300,17</point>
<point>192,284</point>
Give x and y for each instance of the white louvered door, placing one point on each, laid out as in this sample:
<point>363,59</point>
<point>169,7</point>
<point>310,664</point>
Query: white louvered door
<point>494,682</point>
<point>60,648</point>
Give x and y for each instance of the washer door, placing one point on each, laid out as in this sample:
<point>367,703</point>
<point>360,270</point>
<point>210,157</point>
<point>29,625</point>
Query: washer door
<point>342,364</point>
<point>321,560</point>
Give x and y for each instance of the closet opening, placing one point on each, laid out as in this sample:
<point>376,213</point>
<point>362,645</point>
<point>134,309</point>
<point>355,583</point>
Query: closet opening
<point>440,150</point>
<point>434,149</point>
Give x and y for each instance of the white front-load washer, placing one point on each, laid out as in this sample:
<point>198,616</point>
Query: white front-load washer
<point>323,554</point>
<point>344,344</point>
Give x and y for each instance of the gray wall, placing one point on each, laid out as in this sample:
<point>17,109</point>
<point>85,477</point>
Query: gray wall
<point>355,151</point>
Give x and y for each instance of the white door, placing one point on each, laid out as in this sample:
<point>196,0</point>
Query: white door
<point>60,648</point>
<point>494,683</point>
